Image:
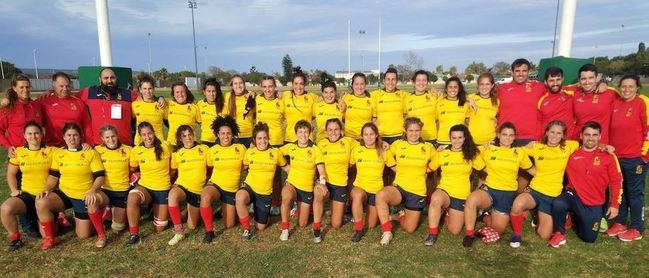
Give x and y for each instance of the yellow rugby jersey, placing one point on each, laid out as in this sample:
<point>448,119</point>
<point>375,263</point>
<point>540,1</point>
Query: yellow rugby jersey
<point>369,168</point>
<point>226,163</point>
<point>424,107</point>
<point>34,166</point>
<point>116,164</point>
<point>456,172</point>
<point>388,109</point>
<point>261,168</point>
<point>271,112</point>
<point>207,114</point>
<point>297,108</point>
<point>180,114</point>
<point>245,123</point>
<point>502,166</point>
<point>154,174</point>
<point>411,161</point>
<point>358,112</point>
<point>448,115</point>
<point>76,168</point>
<point>322,112</point>
<point>482,123</point>
<point>550,164</point>
<point>303,163</point>
<point>336,157</point>
<point>192,167</point>
<point>148,112</point>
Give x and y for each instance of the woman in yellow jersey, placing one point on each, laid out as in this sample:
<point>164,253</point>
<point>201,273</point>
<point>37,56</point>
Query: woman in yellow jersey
<point>115,157</point>
<point>226,160</point>
<point>240,105</point>
<point>79,174</point>
<point>411,157</point>
<point>422,104</point>
<point>389,107</point>
<point>261,160</point>
<point>357,109</point>
<point>502,162</point>
<point>482,122</point>
<point>147,109</point>
<point>304,159</point>
<point>550,159</point>
<point>189,166</point>
<point>336,152</point>
<point>369,159</point>
<point>456,163</point>
<point>270,110</point>
<point>33,162</point>
<point>151,157</point>
<point>181,111</point>
<point>298,105</point>
<point>209,108</point>
<point>452,109</point>
<point>326,109</point>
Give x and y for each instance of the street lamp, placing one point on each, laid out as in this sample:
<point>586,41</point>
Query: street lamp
<point>149,42</point>
<point>192,6</point>
<point>35,65</point>
<point>362,32</point>
<point>2,69</point>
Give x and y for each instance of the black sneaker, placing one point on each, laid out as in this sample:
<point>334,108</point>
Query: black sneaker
<point>317,236</point>
<point>14,245</point>
<point>430,240</point>
<point>133,239</point>
<point>247,235</point>
<point>468,241</point>
<point>358,235</point>
<point>209,236</point>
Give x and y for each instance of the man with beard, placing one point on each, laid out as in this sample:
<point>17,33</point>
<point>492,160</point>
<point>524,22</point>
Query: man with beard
<point>556,104</point>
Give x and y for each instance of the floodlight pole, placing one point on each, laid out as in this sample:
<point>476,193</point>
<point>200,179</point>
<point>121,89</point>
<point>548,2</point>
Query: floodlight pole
<point>149,42</point>
<point>2,69</point>
<point>103,32</point>
<point>349,48</point>
<point>192,6</point>
<point>567,27</point>
<point>35,64</point>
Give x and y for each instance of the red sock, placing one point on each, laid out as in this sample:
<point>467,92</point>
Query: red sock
<point>97,220</point>
<point>14,236</point>
<point>517,223</point>
<point>208,218</point>
<point>316,226</point>
<point>433,231</point>
<point>134,230</point>
<point>245,222</point>
<point>275,202</point>
<point>358,225</point>
<point>48,229</point>
<point>174,213</point>
<point>386,227</point>
<point>284,225</point>
<point>469,232</point>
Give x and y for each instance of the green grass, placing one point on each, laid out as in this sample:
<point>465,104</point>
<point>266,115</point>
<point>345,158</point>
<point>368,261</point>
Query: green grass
<point>266,256</point>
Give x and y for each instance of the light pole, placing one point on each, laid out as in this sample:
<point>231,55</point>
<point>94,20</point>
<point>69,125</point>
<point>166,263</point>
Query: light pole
<point>362,32</point>
<point>35,65</point>
<point>556,25</point>
<point>2,69</point>
<point>349,50</point>
<point>192,6</point>
<point>149,42</point>
<point>621,35</point>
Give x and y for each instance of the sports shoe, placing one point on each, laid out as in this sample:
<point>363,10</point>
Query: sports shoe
<point>274,210</point>
<point>430,240</point>
<point>358,235</point>
<point>468,241</point>
<point>284,235</point>
<point>14,245</point>
<point>616,229</point>
<point>48,243</point>
<point>317,236</point>
<point>386,238</point>
<point>247,235</point>
<point>177,238</point>
<point>209,236</point>
<point>63,220</point>
<point>603,225</point>
<point>630,235</point>
<point>101,242</point>
<point>516,241</point>
<point>132,240</point>
<point>557,240</point>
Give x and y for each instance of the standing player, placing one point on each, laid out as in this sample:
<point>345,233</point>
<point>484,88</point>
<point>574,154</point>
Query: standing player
<point>556,104</point>
<point>482,122</point>
<point>388,107</point>
<point>239,108</point>
<point>326,109</point>
<point>146,109</point>
<point>452,110</point>
<point>591,105</point>
<point>357,109</point>
<point>181,111</point>
<point>209,108</point>
<point>19,110</point>
<point>298,105</point>
<point>422,104</point>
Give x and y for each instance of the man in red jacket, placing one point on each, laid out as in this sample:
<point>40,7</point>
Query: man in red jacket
<point>59,107</point>
<point>591,172</point>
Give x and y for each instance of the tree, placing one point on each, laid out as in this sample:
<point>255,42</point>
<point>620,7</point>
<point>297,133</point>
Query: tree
<point>475,68</point>
<point>221,75</point>
<point>432,77</point>
<point>453,70</point>
<point>500,68</point>
<point>287,66</point>
<point>413,60</point>
<point>372,79</point>
<point>254,76</point>
<point>469,78</point>
<point>641,47</point>
<point>405,72</point>
<point>439,69</point>
<point>10,69</point>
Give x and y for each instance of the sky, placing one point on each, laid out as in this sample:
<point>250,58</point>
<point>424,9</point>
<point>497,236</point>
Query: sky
<point>239,34</point>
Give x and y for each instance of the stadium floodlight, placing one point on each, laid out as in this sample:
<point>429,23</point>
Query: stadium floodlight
<point>192,6</point>
<point>35,64</point>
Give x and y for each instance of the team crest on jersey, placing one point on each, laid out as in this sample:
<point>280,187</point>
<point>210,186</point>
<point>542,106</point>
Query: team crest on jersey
<point>189,108</point>
<point>200,152</point>
<point>596,226</point>
<point>597,161</point>
<point>629,112</point>
<point>277,105</point>
<point>515,153</point>
<point>342,144</point>
<point>236,150</point>
<point>22,163</point>
<point>83,156</point>
<point>528,87</point>
<point>423,150</point>
<point>309,153</point>
<point>44,154</point>
<point>639,169</point>
<point>402,156</point>
<point>492,158</point>
<point>123,152</point>
<point>270,154</point>
<point>596,99</point>
<point>72,106</point>
<point>305,98</point>
<point>541,158</point>
<point>427,98</point>
<point>445,163</point>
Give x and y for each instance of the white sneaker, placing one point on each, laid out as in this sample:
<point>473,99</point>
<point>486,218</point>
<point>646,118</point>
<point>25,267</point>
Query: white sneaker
<point>386,238</point>
<point>284,235</point>
<point>177,238</point>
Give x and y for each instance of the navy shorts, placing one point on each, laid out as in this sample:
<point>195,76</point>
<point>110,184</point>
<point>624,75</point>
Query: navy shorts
<point>457,204</point>
<point>501,201</point>
<point>337,193</point>
<point>371,199</point>
<point>191,198</point>
<point>226,197</point>
<point>116,198</point>
<point>78,206</point>
<point>411,201</point>
<point>543,202</point>
<point>304,197</point>
<point>207,143</point>
<point>391,139</point>
<point>30,203</point>
<point>243,141</point>
<point>261,205</point>
<point>520,142</point>
<point>158,197</point>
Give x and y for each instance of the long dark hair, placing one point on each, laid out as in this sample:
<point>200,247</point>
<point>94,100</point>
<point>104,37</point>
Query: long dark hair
<point>179,136</point>
<point>232,105</point>
<point>219,101</point>
<point>378,145</point>
<point>190,96</point>
<point>492,93</point>
<point>505,125</point>
<point>469,148</point>
<point>259,127</point>
<point>360,75</point>
<point>461,93</point>
<point>157,144</point>
<point>12,95</point>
